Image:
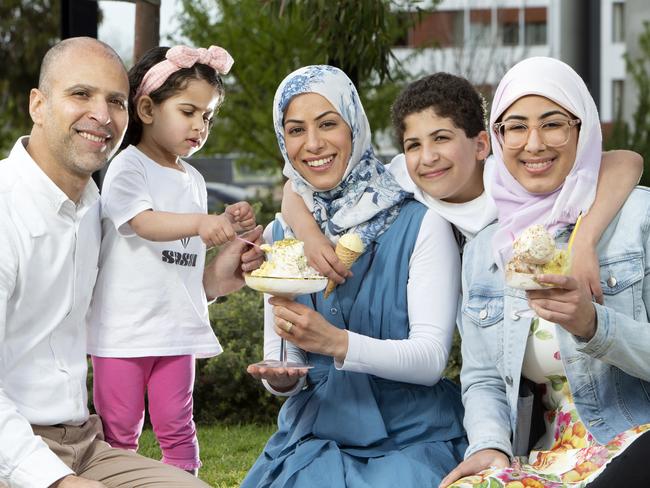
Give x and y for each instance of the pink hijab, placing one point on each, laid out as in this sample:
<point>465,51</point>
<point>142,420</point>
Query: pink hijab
<point>517,208</point>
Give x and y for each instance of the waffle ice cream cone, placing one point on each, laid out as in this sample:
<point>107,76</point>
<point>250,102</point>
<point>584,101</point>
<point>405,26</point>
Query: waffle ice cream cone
<point>348,250</point>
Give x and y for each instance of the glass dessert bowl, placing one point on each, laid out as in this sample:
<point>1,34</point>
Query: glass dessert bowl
<point>285,274</point>
<point>285,287</point>
<point>534,253</point>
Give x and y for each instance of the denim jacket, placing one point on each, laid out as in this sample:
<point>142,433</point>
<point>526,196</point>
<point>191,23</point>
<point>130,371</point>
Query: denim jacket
<point>609,375</point>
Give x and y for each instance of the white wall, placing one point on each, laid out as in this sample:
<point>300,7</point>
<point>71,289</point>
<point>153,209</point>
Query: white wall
<point>612,64</point>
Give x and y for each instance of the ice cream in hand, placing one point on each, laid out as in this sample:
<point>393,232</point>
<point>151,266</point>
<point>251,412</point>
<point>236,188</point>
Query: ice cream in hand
<point>348,249</point>
<point>534,253</point>
<point>285,259</point>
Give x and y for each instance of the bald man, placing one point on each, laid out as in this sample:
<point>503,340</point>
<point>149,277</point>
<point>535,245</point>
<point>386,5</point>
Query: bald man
<point>49,247</point>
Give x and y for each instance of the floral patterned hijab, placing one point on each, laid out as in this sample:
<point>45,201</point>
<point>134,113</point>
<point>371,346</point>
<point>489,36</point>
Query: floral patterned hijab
<point>368,199</point>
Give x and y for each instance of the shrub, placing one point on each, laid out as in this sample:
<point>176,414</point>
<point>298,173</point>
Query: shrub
<point>223,390</point>
<point>452,371</point>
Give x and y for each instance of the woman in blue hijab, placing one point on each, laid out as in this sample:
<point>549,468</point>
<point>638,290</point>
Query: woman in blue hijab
<point>373,410</point>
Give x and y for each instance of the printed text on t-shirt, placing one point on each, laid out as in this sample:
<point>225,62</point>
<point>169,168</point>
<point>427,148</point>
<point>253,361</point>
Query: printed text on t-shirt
<point>181,259</point>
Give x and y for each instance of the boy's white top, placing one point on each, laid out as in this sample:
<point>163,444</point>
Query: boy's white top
<point>49,248</point>
<point>468,217</point>
<point>149,298</point>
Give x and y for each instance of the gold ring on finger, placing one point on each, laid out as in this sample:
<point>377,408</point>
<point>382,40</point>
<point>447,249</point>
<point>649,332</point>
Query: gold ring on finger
<point>288,326</point>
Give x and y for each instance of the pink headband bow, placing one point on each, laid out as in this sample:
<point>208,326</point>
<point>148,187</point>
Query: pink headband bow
<point>179,57</point>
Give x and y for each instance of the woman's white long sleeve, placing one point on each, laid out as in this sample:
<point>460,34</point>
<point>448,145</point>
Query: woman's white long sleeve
<point>433,292</point>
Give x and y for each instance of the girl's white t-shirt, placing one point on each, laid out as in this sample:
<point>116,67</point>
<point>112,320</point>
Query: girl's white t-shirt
<point>149,298</point>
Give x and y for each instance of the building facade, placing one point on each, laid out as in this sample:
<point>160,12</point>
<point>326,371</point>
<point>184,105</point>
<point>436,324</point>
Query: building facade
<point>481,39</point>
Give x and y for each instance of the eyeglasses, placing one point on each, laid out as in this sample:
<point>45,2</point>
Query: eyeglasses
<point>514,134</point>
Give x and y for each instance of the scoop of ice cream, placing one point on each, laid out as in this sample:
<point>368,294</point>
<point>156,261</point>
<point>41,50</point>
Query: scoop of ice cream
<point>559,264</point>
<point>535,245</point>
<point>348,249</point>
<point>534,253</point>
<point>352,242</point>
<point>517,265</point>
<point>285,259</point>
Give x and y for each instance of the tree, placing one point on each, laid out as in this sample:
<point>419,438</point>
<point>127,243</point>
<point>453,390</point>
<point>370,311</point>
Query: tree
<point>356,36</point>
<point>637,135</point>
<point>270,38</point>
<point>28,28</point>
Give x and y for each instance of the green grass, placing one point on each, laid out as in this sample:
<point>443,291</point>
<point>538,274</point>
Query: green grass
<point>227,452</point>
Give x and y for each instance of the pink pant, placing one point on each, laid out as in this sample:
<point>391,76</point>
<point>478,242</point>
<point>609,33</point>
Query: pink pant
<point>119,386</point>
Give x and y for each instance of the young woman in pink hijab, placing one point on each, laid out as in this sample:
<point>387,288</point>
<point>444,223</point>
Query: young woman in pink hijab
<point>556,387</point>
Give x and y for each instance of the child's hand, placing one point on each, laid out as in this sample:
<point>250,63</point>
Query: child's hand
<point>321,256</point>
<point>241,216</point>
<point>215,230</point>
<point>586,269</point>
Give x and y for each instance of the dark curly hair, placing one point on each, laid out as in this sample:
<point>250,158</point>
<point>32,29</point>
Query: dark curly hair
<point>176,82</point>
<point>448,95</point>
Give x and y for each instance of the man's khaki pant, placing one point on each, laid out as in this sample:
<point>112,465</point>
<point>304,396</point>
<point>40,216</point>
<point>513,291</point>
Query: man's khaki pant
<point>84,450</point>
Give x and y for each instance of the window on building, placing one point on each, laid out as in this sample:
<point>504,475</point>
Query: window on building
<point>535,33</point>
<point>508,26</point>
<point>458,28</point>
<point>509,34</point>
<point>618,22</point>
<point>438,29</point>
<point>618,94</point>
<point>480,25</point>
<point>535,26</point>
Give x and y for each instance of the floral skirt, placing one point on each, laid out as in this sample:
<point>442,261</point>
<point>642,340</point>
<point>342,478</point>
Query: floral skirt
<point>563,466</point>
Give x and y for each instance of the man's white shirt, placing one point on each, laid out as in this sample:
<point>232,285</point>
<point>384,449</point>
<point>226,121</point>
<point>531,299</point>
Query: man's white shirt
<point>49,247</point>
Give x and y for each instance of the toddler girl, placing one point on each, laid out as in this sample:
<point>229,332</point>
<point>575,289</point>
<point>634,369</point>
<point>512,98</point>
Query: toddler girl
<point>149,317</point>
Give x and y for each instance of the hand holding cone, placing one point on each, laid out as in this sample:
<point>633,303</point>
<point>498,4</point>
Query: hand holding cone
<point>348,249</point>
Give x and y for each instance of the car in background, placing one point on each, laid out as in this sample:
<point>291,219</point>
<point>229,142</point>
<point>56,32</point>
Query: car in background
<point>221,194</point>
